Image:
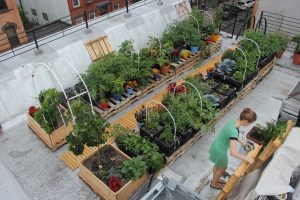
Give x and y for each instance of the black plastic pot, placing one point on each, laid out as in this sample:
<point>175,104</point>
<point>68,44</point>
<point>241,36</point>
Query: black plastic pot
<point>219,76</point>
<point>235,83</point>
<point>212,87</point>
<point>186,135</point>
<point>144,132</point>
<point>264,61</point>
<point>251,76</point>
<point>229,95</point>
<point>167,149</point>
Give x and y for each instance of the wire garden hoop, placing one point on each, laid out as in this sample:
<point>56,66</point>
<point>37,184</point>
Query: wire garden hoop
<point>57,81</point>
<point>198,93</point>
<point>259,52</point>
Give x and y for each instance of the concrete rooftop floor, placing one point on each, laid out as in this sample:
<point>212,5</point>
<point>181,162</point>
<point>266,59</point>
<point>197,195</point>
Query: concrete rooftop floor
<point>29,170</point>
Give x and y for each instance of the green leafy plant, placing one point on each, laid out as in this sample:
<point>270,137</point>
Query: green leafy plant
<point>134,168</point>
<point>88,130</point>
<point>126,48</point>
<point>167,135</point>
<point>280,40</point>
<point>154,160</point>
<point>228,54</point>
<point>153,121</point>
<point>237,75</point>
<point>271,131</point>
<point>296,39</point>
<point>225,88</point>
<point>48,115</point>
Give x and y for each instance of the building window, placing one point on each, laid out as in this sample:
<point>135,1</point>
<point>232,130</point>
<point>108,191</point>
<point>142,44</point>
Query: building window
<point>12,35</point>
<point>92,15</point>
<point>104,9</point>
<point>33,11</point>
<point>79,20</point>
<point>45,16</point>
<point>116,7</point>
<point>76,3</point>
<point>3,5</point>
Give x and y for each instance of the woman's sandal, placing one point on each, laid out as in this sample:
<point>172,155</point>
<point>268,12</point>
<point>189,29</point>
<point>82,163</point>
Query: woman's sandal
<point>218,188</point>
<point>222,181</point>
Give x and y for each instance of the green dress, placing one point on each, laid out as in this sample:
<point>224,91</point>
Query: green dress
<point>219,148</point>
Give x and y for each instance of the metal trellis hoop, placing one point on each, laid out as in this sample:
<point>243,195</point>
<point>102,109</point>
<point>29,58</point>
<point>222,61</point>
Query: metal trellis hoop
<point>209,15</point>
<point>177,83</point>
<point>59,83</point>
<point>198,26</point>
<point>259,52</point>
<point>246,65</point>
<point>80,77</point>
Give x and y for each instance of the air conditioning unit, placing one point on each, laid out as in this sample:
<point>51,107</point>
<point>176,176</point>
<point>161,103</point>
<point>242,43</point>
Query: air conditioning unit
<point>89,1</point>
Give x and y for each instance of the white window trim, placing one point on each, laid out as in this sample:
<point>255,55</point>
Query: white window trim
<point>77,5</point>
<point>79,20</point>
<point>92,13</point>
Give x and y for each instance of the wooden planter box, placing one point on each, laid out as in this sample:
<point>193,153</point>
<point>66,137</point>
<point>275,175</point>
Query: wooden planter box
<point>102,189</point>
<point>53,140</point>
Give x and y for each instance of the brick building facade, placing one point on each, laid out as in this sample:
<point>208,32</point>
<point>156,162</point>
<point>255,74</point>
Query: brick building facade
<point>94,8</point>
<point>12,32</point>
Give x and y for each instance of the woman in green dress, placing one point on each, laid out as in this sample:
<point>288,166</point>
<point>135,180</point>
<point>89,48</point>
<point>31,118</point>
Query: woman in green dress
<point>227,139</point>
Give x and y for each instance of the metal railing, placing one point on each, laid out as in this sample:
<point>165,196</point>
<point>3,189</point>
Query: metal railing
<point>65,26</point>
<point>273,22</point>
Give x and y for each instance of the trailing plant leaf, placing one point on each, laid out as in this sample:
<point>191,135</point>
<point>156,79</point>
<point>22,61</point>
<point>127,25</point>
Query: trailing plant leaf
<point>134,168</point>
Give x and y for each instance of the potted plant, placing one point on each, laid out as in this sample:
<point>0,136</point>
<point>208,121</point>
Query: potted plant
<point>140,116</point>
<point>281,41</point>
<point>175,55</point>
<point>134,145</point>
<point>130,85</point>
<point>296,56</point>
<point>180,88</point>
<point>164,64</point>
<point>218,15</point>
<point>165,141</point>
<point>117,88</point>
<point>152,127</point>
<point>185,54</point>
<point>225,90</point>
<point>264,134</point>
<point>47,122</point>
<point>155,73</point>
<point>195,42</point>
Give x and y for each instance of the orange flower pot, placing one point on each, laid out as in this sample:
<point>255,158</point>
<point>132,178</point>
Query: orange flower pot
<point>215,37</point>
<point>296,59</point>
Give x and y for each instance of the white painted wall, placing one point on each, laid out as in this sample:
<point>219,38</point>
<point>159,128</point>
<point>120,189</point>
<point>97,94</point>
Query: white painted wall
<point>289,8</point>
<point>55,9</point>
<point>17,91</point>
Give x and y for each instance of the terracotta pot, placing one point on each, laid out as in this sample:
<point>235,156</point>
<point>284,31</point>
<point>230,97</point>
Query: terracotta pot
<point>279,54</point>
<point>296,59</point>
<point>215,37</point>
<point>104,105</point>
<point>164,70</point>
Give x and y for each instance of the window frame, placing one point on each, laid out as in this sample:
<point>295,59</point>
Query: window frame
<point>116,5</point>
<point>76,5</point>
<point>94,13</point>
<point>79,17</point>
<point>45,14</point>
<point>5,8</point>
<point>33,12</point>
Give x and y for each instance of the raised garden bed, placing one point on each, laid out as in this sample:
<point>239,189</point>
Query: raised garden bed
<point>109,157</point>
<point>52,140</point>
<point>185,135</point>
<point>212,83</point>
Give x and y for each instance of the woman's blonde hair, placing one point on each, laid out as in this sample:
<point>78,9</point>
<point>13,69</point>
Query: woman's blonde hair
<point>248,114</point>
